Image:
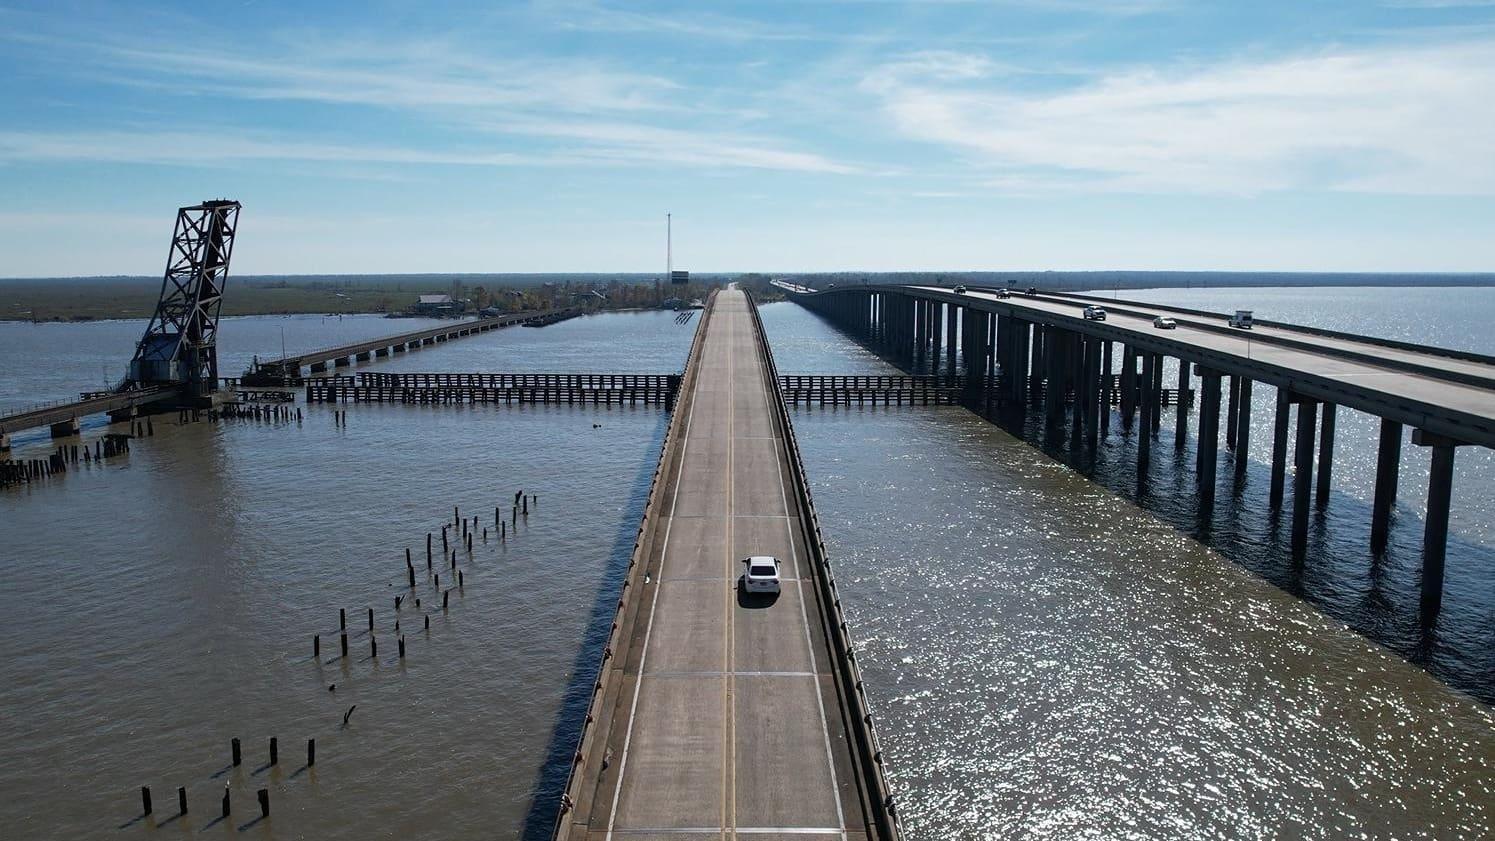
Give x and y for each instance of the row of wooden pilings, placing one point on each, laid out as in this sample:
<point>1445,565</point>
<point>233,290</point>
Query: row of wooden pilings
<point>23,471</point>
<point>236,759</point>
<point>469,529</point>
<point>1026,358</point>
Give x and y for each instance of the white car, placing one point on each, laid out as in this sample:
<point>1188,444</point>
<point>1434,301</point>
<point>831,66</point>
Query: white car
<point>1094,313</point>
<point>1163,322</point>
<point>762,575</point>
<point>1003,293</point>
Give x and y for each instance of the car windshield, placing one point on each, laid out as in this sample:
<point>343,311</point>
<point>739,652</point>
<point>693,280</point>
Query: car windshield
<point>761,571</point>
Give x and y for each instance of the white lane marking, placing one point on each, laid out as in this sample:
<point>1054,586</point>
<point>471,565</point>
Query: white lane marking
<point>825,729</point>
<point>740,672</point>
<point>729,754</point>
<point>664,553</point>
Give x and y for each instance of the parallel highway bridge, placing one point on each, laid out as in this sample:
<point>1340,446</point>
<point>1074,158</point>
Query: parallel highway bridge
<point>1028,344</point>
<point>718,714</point>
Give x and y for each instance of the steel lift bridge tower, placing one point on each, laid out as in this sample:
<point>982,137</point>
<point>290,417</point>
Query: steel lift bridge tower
<point>180,347</point>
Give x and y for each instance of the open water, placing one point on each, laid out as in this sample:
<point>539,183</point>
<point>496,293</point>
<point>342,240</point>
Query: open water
<point>1051,657</point>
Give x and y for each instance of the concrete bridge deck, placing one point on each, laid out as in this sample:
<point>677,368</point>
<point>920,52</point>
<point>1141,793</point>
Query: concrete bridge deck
<point>720,714</point>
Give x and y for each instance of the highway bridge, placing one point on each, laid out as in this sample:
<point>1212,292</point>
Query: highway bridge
<point>717,713</point>
<point>1018,350</point>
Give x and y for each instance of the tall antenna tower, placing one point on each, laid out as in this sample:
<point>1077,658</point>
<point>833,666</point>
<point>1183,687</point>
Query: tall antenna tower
<point>669,248</point>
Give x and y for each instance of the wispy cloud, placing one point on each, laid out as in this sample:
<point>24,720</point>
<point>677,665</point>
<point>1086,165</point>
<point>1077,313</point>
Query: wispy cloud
<point>580,110</point>
<point>1412,120</point>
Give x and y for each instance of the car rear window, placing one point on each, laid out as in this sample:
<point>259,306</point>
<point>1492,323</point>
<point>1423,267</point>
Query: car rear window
<point>760,570</point>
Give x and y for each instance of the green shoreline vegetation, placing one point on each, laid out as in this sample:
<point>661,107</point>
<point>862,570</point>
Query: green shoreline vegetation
<point>97,299</point>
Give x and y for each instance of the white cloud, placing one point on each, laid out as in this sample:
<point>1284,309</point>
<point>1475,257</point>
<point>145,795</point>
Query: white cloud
<point>1411,120</point>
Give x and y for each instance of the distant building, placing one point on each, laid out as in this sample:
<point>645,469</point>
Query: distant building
<point>437,305</point>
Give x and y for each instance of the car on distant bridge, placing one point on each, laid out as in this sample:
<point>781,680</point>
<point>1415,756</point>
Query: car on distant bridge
<point>1003,293</point>
<point>761,576</point>
<point>1163,322</point>
<point>1095,313</point>
<point>960,290</point>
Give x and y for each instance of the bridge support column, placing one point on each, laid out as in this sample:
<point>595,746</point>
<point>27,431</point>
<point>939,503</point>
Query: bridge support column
<point>1243,427</point>
<point>4,442</point>
<point>1106,380</point>
<point>1435,531</point>
<point>1303,474</point>
<point>1037,363</point>
<point>1231,411</point>
<point>1209,438</point>
<point>952,328</point>
<point>1094,409</point>
<point>935,322</point>
<point>342,362</point>
<point>1326,455</point>
<point>1157,392</point>
<point>1054,342</point>
<point>1388,466</point>
<point>1021,339</point>
<point>318,367</point>
<point>1181,422</point>
<point>399,348</point>
<point>1148,404</point>
<point>124,415</point>
<point>1279,447</point>
<point>67,428</point>
<point>381,352</point>
<point>1128,385</point>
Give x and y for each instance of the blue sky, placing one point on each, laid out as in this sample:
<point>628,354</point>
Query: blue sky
<point>553,135</point>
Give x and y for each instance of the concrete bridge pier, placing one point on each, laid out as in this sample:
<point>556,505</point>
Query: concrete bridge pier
<point>936,321</point>
<point>1094,409</point>
<point>4,442</point>
<point>1054,343</point>
<point>951,317</point>
<point>1128,385</point>
<point>1279,447</point>
<point>1181,422</point>
<point>1388,466</point>
<point>1435,530</point>
<point>1243,429</point>
<point>1157,392</point>
<point>1303,474</point>
<point>318,367</point>
<point>1326,455</point>
<point>1208,455</point>
<point>66,429</point>
<point>1232,410</point>
<point>1039,354</point>
<point>1106,380</point>
<point>1147,405</point>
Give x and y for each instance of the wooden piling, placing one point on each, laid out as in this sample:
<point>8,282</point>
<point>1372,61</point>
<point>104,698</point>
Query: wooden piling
<point>181,799</point>
<point>445,597</point>
<point>344,638</point>
<point>238,755</point>
<point>264,798</point>
<point>226,809</point>
<point>373,646</point>
<point>371,620</point>
<point>342,619</point>
<point>316,645</point>
<point>274,751</point>
<point>428,621</point>
<point>402,646</point>
<point>145,799</point>
<point>459,579</point>
<point>311,752</point>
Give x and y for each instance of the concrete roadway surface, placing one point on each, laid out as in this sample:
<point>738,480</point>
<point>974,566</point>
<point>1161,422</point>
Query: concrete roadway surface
<point>734,729</point>
<point>1382,384</point>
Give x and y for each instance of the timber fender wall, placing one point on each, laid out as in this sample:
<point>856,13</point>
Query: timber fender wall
<point>589,758</point>
<point>851,690</point>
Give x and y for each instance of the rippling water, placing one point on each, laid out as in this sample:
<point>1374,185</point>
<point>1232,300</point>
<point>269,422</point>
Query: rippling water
<point>1049,660</point>
<point>163,603</point>
<point>1052,661</point>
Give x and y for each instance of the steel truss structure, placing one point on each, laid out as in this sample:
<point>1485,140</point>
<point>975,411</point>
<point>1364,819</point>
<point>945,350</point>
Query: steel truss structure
<point>181,344</point>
